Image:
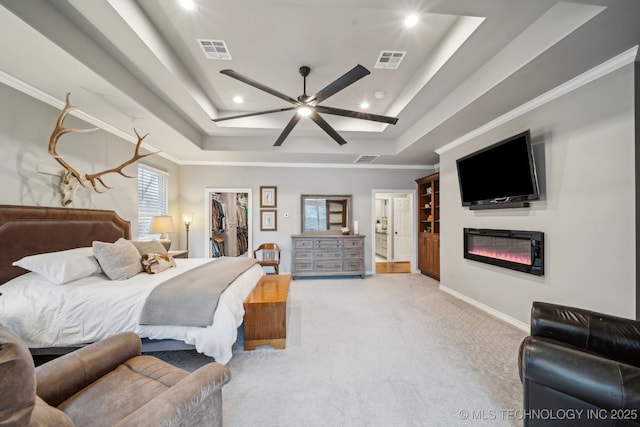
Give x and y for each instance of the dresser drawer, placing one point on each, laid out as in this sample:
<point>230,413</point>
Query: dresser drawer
<point>303,244</point>
<point>303,266</point>
<point>353,253</point>
<point>328,254</point>
<point>353,243</point>
<point>328,244</point>
<point>352,265</point>
<point>302,255</point>
<point>328,265</point>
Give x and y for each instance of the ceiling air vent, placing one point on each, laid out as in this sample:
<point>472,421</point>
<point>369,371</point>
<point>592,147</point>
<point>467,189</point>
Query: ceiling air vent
<point>390,59</point>
<point>214,49</point>
<point>367,158</point>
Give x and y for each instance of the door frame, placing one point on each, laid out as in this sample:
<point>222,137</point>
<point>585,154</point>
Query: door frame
<point>412,193</point>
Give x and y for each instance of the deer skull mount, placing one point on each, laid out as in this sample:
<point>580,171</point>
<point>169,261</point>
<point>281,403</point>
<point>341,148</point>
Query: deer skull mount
<point>72,179</point>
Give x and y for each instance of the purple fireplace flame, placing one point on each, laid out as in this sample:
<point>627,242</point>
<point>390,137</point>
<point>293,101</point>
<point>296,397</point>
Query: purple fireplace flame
<point>516,250</point>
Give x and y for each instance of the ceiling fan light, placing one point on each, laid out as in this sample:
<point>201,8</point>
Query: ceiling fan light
<point>189,5</point>
<point>304,111</point>
<point>411,21</point>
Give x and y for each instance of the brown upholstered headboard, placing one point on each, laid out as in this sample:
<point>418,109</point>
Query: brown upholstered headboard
<point>29,230</point>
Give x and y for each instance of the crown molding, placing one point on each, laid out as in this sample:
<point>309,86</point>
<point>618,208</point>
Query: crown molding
<point>607,67</point>
<point>58,104</point>
<point>306,165</point>
<point>54,102</point>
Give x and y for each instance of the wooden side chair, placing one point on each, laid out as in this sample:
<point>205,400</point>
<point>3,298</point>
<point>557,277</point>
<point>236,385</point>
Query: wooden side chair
<point>268,255</point>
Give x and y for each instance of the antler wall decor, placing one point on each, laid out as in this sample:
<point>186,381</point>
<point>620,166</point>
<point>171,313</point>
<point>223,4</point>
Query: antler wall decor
<point>72,179</point>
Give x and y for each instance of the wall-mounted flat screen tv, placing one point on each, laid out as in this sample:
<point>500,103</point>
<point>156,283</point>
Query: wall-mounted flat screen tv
<point>500,173</point>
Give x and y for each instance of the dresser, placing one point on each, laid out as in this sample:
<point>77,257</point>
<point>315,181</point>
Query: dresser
<point>327,255</point>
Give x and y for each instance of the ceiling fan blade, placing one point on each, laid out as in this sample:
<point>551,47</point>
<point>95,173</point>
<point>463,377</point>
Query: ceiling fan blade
<point>350,77</point>
<point>251,82</point>
<point>220,119</point>
<point>287,130</point>
<point>327,128</point>
<point>356,114</point>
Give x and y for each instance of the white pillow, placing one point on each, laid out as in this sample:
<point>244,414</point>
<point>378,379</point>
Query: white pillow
<point>120,260</point>
<point>63,266</point>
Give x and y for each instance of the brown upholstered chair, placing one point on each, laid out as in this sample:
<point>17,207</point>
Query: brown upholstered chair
<point>268,255</point>
<point>107,383</point>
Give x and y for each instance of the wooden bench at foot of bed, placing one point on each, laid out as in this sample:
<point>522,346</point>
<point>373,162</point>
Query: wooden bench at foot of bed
<point>265,317</point>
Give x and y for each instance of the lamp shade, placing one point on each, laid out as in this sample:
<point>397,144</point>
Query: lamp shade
<point>162,224</point>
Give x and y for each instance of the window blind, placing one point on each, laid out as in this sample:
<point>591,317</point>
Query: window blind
<point>153,198</point>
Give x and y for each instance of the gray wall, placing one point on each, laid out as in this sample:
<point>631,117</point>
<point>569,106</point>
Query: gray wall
<point>291,182</point>
<point>584,147</point>
<point>25,127</point>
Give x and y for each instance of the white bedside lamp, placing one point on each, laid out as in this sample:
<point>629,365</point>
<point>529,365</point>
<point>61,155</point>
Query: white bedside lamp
<point>162,225</point>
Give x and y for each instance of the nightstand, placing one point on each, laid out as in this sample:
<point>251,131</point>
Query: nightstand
<point>179,254</point>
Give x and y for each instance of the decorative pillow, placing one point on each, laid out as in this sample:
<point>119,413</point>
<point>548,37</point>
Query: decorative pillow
<point>119,260</point>
<point>155,263</point>
<point>149,247</point>
<point>63,266</point>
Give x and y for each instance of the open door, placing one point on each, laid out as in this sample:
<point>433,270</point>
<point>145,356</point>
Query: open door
<point>393,218</point>
<point>402,228</point>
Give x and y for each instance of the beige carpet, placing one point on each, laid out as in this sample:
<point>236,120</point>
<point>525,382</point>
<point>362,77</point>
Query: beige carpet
<point>388,350</point>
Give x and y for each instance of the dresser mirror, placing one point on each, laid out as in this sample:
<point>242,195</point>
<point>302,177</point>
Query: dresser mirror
<point>325,213</point>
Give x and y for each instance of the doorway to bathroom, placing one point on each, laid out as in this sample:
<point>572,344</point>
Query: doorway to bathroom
<point>393,218</point>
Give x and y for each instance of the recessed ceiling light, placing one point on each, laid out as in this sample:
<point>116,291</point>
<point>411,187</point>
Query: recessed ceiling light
<point>189,5</point>
<point>411,20</point>
<point>379,94</point>
<point>238,99</point>
<point>364,105</point>
<point>304,111</point>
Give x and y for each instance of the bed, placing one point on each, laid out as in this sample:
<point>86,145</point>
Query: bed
<point>52,318</point>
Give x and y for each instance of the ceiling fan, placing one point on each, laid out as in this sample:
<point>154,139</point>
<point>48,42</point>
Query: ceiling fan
<point>307,106</point>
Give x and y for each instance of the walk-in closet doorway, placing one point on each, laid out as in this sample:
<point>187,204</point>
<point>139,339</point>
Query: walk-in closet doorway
<point>228,222</point>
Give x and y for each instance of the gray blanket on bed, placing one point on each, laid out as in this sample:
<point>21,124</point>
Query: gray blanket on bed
<point>191,298</point>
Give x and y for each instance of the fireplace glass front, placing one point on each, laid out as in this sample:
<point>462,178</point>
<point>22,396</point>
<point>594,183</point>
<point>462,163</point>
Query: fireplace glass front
<point>516,250</point>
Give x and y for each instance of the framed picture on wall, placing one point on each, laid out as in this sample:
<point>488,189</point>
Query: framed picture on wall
<point>268,220</point>
<point>268,197</point>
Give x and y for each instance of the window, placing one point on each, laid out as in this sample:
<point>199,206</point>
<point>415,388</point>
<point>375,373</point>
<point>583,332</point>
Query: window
<point>153,198</point>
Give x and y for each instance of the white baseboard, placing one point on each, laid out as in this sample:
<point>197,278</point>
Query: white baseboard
<point>510,320</point>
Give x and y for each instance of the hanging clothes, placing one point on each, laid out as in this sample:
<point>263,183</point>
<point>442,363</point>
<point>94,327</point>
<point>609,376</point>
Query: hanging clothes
<point>242,219</point>
<point>217,246</point>
<point>218,216</point>
<point>229,229</point>
<point>219,225</point>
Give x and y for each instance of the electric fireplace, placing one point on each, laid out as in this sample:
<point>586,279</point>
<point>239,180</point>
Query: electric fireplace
<point>513,249</point>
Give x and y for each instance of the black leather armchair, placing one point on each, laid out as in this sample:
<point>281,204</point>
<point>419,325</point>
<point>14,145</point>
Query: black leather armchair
<point>580,368</point>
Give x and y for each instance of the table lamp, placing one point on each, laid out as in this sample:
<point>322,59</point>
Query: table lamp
<point>162,225</point>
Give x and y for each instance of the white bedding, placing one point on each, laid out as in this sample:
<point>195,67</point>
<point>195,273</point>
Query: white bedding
<point>89,309</point>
